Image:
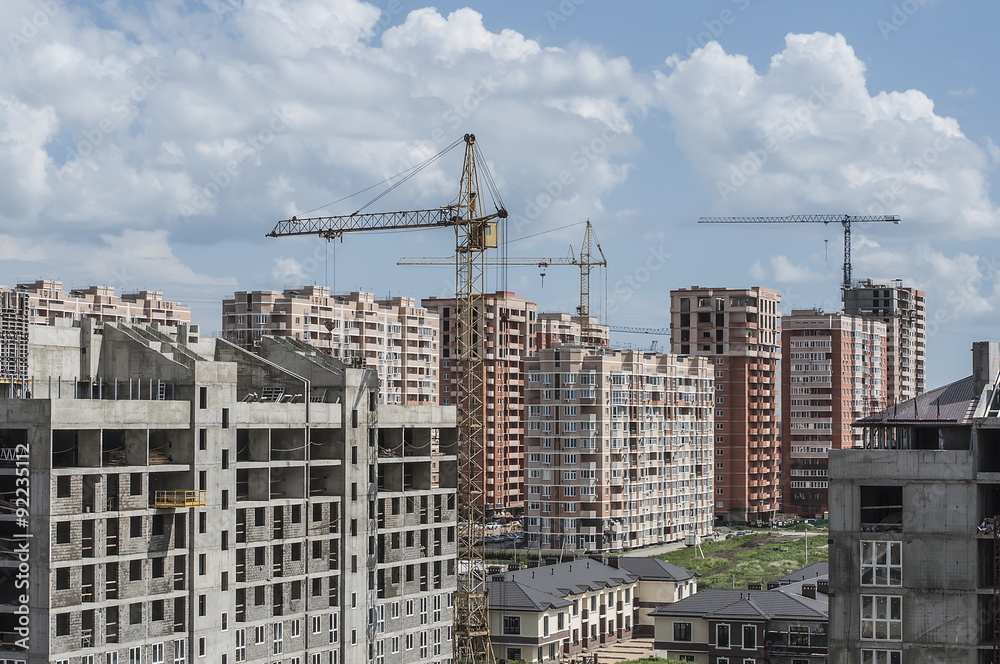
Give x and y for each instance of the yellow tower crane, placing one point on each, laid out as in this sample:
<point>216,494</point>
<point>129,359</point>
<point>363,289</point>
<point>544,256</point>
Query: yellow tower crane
<point>475,233</point>
<point>585,262</point>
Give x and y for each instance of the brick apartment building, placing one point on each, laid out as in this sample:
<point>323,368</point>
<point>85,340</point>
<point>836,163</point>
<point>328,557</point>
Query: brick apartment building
<point>619,448</point>
<point>558,328</point>
<point>833,373</point>
<point>47,300</point>
<point>508,337</point>
<point>904,312</point>
<point>395,337</point>
<point>737,329</point>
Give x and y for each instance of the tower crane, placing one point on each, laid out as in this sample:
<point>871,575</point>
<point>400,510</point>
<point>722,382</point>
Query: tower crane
<point>475,233</point>
<point>844,219</point>
<point>585,262</point>
<point>658,331</point>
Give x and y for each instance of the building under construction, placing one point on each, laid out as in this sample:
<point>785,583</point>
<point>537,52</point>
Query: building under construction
<point>915,546</point>
<point>13,343</point>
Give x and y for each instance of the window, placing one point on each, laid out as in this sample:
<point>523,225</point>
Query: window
<point>179,650</point>
<point>241,645</point>
<point>882,617</point>
<point>869,656</point>
<point>798,635</point>
<point>722,636</point>
<point>277,639</point>
<point>201,646</point>
<point>156,653</point>
<point>749,637</point>
<point>512,625</point>
<point>682,631</point>
<point>258,634</point>
<point>135,655</point>
<point>881,563</point>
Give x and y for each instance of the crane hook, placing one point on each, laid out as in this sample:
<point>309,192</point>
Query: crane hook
<point>542,267</point>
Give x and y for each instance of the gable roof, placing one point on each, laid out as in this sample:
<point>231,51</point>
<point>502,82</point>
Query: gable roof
<point>540,588</point>
<point>725,604</point>
<point>654,569</point>
<point>821,568</point>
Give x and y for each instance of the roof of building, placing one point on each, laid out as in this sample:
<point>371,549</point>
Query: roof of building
<point>725,604</point>
<point>951,404</point>
<point>807,573</point>
<point>539,588</point>
<point>654,569</point>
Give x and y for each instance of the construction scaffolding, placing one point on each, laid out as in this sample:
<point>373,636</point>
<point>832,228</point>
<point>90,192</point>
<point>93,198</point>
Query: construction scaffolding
<point>13,343</point>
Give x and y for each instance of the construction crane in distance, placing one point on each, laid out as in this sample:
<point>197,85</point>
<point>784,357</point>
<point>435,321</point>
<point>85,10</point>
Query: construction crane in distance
<point>659,331</point>
<point>844,219</point>
<point>585,262</point>
<point>475,233</point>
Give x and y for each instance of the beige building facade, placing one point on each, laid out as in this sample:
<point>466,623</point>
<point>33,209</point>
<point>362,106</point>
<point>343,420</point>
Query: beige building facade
<point>47,301</point>
<point>618,448</point>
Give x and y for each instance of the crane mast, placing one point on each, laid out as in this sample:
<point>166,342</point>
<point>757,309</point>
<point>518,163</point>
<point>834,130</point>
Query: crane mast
<point>475,233</point>
<point>844,219</point>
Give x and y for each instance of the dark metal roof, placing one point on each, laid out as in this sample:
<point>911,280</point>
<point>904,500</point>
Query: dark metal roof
<point>952,404</point>
<point>722,604</point>
<point>539,588</point>
<point>807,573</point>
<point>654,569</point>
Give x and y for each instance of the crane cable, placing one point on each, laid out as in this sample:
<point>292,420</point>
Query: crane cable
<point>409,172</point>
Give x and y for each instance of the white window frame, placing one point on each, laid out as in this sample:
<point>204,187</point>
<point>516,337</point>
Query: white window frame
<point>882,562</point>
<point>876,617</point>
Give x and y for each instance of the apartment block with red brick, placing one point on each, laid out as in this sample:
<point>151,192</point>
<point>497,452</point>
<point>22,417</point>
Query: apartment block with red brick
<point>508,337</point>
<point>833,373</point>
<point>738,330</point>
<point>393,336</point>
<point>903,309</point>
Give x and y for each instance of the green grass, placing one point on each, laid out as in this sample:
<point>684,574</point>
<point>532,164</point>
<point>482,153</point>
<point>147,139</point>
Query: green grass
<point>752,559</point>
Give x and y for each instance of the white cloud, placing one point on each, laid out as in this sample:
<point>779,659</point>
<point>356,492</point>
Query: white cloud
<point>14,249</point>
<point>963,92</point>
<point>780,269</point>
<point>286,270</point>
<point>142,257</point>
<point>806,136</point>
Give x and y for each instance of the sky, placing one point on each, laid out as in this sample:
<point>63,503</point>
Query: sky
<point>153,145</point>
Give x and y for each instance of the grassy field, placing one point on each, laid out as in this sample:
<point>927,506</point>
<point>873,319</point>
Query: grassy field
<point>751,558</point>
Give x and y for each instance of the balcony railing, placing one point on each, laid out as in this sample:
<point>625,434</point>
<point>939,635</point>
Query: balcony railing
<point>168,499</point>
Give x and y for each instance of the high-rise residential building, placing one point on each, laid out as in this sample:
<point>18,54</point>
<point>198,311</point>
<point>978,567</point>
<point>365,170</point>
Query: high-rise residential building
<point>558,328</point>
<point>914,541</point>
<point>619,448</point>
<point>833,373</point>
<point>508,336</point>
<point>13,342</point>
<point>47,301</point>
<point>395,337</point>
<point>737,329</point>
<point>263,508</point>
<point>904,312</point>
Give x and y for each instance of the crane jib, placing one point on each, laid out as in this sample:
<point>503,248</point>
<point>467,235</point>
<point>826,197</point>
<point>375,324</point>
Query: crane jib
<point>363,222</point>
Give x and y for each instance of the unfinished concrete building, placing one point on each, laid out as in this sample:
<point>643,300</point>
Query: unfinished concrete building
<point>47,301</point>
<point>904,311</point>
<point>393,336</point>
<point>13,342</point>
<point>915,545</point>
<point>619,448</point>
<point>192,501</point>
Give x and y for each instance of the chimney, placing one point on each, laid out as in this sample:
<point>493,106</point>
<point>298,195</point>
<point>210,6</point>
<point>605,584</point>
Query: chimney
<point>985,364</point>
<point>823,586</point>
<point>613,561</point>
<point>809,590</point>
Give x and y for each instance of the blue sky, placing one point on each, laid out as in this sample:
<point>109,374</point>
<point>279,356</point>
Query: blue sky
<point>153,145</point>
